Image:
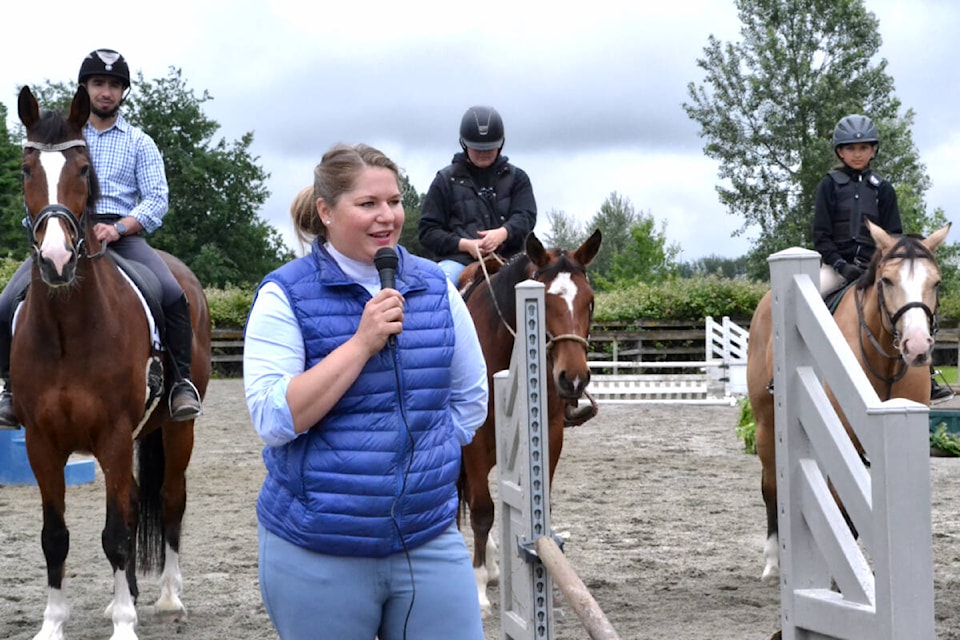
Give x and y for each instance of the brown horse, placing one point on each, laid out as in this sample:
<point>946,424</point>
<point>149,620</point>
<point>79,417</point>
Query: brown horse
<point>83,364</point>
<point>569,313</point>
<point>888,319</point>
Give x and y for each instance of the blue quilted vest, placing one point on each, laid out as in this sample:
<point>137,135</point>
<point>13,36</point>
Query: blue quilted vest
<point>384,461</point>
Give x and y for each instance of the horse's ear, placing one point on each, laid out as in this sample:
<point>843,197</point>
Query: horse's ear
<point>79,108</point>
<point>936,238</point>
<point>589,249</point>
<point>27,108</point>
<point>881,237</point>
<point>535,251</point>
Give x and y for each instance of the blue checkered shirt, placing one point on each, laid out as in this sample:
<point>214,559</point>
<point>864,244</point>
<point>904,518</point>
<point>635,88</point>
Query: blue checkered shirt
<point>130,169</point>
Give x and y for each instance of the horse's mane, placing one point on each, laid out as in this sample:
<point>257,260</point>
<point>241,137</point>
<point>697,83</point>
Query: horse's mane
<point>53,128</point>
<point>907,247</point>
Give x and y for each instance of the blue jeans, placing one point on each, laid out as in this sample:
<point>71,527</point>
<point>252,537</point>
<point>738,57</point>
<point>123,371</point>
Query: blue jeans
<point>311,596</point>
<point>453,269</point>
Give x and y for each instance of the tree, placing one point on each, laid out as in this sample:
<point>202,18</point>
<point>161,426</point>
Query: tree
<point>412,201</point>
<point>770,102</point>
<point>565,231</point>
<point>13,238</point>
<point>614,219</point>
<point>646,258</point>
<point>730,268</point>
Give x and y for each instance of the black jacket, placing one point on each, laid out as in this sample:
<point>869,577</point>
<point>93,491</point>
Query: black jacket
<point>463,200</point>
<point>845,199</point>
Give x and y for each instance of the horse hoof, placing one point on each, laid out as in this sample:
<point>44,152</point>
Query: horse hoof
<point>171,615</point>
<point>770,575</point>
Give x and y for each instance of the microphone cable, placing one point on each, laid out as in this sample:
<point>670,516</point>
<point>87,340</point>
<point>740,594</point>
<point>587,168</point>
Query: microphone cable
<point>403,487</point>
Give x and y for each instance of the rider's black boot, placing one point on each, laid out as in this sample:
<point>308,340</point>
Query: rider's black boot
<point>8,419</point>
<point>184,401</point>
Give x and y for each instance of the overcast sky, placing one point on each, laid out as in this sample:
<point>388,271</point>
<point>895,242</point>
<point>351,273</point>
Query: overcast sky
<point>591,94</point>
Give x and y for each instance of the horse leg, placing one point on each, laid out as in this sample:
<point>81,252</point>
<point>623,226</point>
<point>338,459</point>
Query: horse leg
<point>771,549</point>
<point>492,560</point>
<point>177,448</point>
<point>481,520</point>
<point>481,516</point>
<point>766,451</point>
<point>118,536</point>
<point>54,538</point>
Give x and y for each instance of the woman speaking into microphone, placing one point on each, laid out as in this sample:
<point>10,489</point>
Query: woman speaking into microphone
<point>364,377</point>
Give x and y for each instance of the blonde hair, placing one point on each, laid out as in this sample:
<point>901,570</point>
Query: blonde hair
<point>335,175</point>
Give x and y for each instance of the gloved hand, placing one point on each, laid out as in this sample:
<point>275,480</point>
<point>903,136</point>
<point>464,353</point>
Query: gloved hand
<point>850,272</point>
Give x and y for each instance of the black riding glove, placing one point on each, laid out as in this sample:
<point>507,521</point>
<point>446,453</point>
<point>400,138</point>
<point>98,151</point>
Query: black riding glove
<point>850,272</point>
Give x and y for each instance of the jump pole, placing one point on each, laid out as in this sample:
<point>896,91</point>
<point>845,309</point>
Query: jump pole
<point>574,591</point>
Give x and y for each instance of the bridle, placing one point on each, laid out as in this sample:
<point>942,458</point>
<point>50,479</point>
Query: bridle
<point>572,417</point>
<point>888,323</point>
<point>552,340</point>
<point>57,210</point>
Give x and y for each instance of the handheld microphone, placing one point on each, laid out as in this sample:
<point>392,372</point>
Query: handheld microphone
<point>386,262</point>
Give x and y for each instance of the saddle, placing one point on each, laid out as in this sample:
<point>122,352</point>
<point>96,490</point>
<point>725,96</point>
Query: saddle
<point>832,298</point>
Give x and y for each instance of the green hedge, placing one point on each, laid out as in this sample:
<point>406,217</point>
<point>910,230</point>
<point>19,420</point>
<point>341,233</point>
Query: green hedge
<point>681,299</point>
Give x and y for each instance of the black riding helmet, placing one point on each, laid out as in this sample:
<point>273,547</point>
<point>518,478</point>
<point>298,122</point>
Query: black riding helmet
<point>104,62</point>
<point>482,129</point>
<point>855,128</point>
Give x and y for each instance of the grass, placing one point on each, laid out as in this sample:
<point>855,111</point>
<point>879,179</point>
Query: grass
<point>950,373</point>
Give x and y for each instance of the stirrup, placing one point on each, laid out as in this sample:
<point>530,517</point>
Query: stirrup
<point>189,409</point>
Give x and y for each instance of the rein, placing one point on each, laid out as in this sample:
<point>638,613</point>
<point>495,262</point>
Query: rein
<point>888,323</point>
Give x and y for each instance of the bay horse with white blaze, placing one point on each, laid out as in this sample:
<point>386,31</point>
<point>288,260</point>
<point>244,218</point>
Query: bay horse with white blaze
<point>86,370</point>
<point>568,315</point>
<point>889,319</point>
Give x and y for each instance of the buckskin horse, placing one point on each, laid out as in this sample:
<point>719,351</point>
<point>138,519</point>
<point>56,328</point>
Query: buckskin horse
<point>83,364</point>
<point>569,313</point>
<point>889,319</point>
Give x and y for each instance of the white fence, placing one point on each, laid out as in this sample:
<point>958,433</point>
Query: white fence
<point>720,379</point>
<point>832,585</point>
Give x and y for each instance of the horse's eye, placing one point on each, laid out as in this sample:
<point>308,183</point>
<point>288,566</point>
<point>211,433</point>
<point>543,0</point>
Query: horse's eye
<point>25,172</point>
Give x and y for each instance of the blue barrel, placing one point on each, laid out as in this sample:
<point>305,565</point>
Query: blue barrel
<point>15,467</point>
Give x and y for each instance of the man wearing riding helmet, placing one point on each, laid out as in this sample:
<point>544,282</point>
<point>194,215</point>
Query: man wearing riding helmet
<point>133,201</point>
<point>850,194</point>
<point>479,204</point>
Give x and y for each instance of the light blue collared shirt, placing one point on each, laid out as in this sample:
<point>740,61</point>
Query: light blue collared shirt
<point>273,353</point>
<point>130,169</point>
